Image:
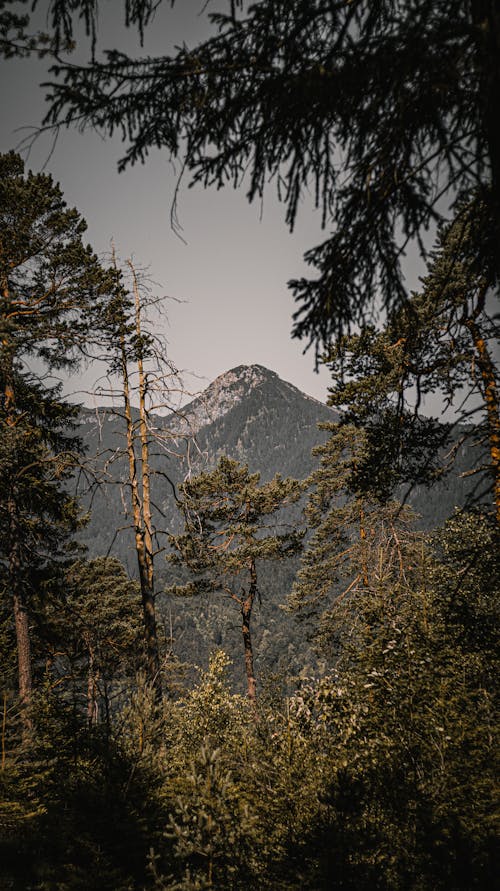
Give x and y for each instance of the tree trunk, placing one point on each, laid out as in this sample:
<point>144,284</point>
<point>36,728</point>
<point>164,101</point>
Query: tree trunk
<point>147,593</point>
<point>147,525</point>
<point>23,642</point>
<point>487,369</point>
<point>362,538</point>
<point>246,614</point>
<point>91,689</point>
<point>143,429</point>
<point>20,609</point>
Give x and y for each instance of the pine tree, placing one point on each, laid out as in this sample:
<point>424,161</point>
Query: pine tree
<point>50,283</point>
<point>91,633</point>
<point>228,536</point>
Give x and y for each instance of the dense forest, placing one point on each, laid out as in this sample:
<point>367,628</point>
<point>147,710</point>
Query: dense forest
<point>353,743</point>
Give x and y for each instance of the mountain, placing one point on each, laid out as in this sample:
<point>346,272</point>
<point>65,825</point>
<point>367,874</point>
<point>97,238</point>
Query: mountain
<point>252,415</point>
<point>248,413</point>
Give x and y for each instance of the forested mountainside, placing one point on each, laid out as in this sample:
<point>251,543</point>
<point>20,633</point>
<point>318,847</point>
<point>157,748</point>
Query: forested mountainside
<point>251,415</point>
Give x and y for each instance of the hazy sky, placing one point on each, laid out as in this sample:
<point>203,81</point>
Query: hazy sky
<point>232,272</point>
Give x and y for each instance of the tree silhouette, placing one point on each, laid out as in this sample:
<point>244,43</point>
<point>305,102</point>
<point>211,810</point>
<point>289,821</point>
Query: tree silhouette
<point>385,111</point>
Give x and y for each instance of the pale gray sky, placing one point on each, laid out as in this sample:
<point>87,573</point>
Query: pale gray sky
<point>232,272</point>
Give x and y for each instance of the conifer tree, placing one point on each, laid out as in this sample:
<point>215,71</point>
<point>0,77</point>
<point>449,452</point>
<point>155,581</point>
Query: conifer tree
<point>229,532</point>
<point>50,284</point>
<point>410,708</point>
<point>360,540</point>
<point>92,632</point>
<point>442,341</point>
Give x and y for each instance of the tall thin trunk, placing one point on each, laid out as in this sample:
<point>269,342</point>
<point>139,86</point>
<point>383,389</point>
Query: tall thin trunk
<point>246,614</point>
<point>143,430</point>
<point>491,399</point>
<point>92,677</point>
<point>147,592</point>
<point>19,605</point>
<point>21,618</point>
<point>363,536</point>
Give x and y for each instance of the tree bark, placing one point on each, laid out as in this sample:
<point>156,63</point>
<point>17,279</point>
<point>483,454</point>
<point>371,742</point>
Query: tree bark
<point>91,688</point>
<point>145,577</point>
<point>246,614</point>
<point>143,430</point>
<point>21,621</point>
<point>487,369</point>
<point>19,605</point>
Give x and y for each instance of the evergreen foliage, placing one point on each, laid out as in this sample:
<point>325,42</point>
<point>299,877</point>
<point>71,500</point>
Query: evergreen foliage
<point>50,283</point>
<point>441,341</point>
<point>360,538</point>
<point>381,109</point>
<point>227,533</point>
<point>92,634</point>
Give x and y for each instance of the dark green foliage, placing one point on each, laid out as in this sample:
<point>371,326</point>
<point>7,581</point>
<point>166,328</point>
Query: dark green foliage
<point>49,278</point>
<point>379,108</point>
<point>92,635</point>
<point>50,283</point>
<point>380,775</point>
<point>81,811</point>
<point>442,341</point>
<point>226,513</point>
<point>412,800</point>
<point>37,455</point>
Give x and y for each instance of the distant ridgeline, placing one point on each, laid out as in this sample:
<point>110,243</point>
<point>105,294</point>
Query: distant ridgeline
<point>253,416</point>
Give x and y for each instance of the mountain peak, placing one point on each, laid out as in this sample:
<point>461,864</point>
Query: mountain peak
<point>249,375</point>
<point>228,390</point>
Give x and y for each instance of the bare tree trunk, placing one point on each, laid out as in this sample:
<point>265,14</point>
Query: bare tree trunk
<point>362,538</point>
<point>246,614</point>
<point>148,604</point>
<point>143,429</point>
<point>145,574</point>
